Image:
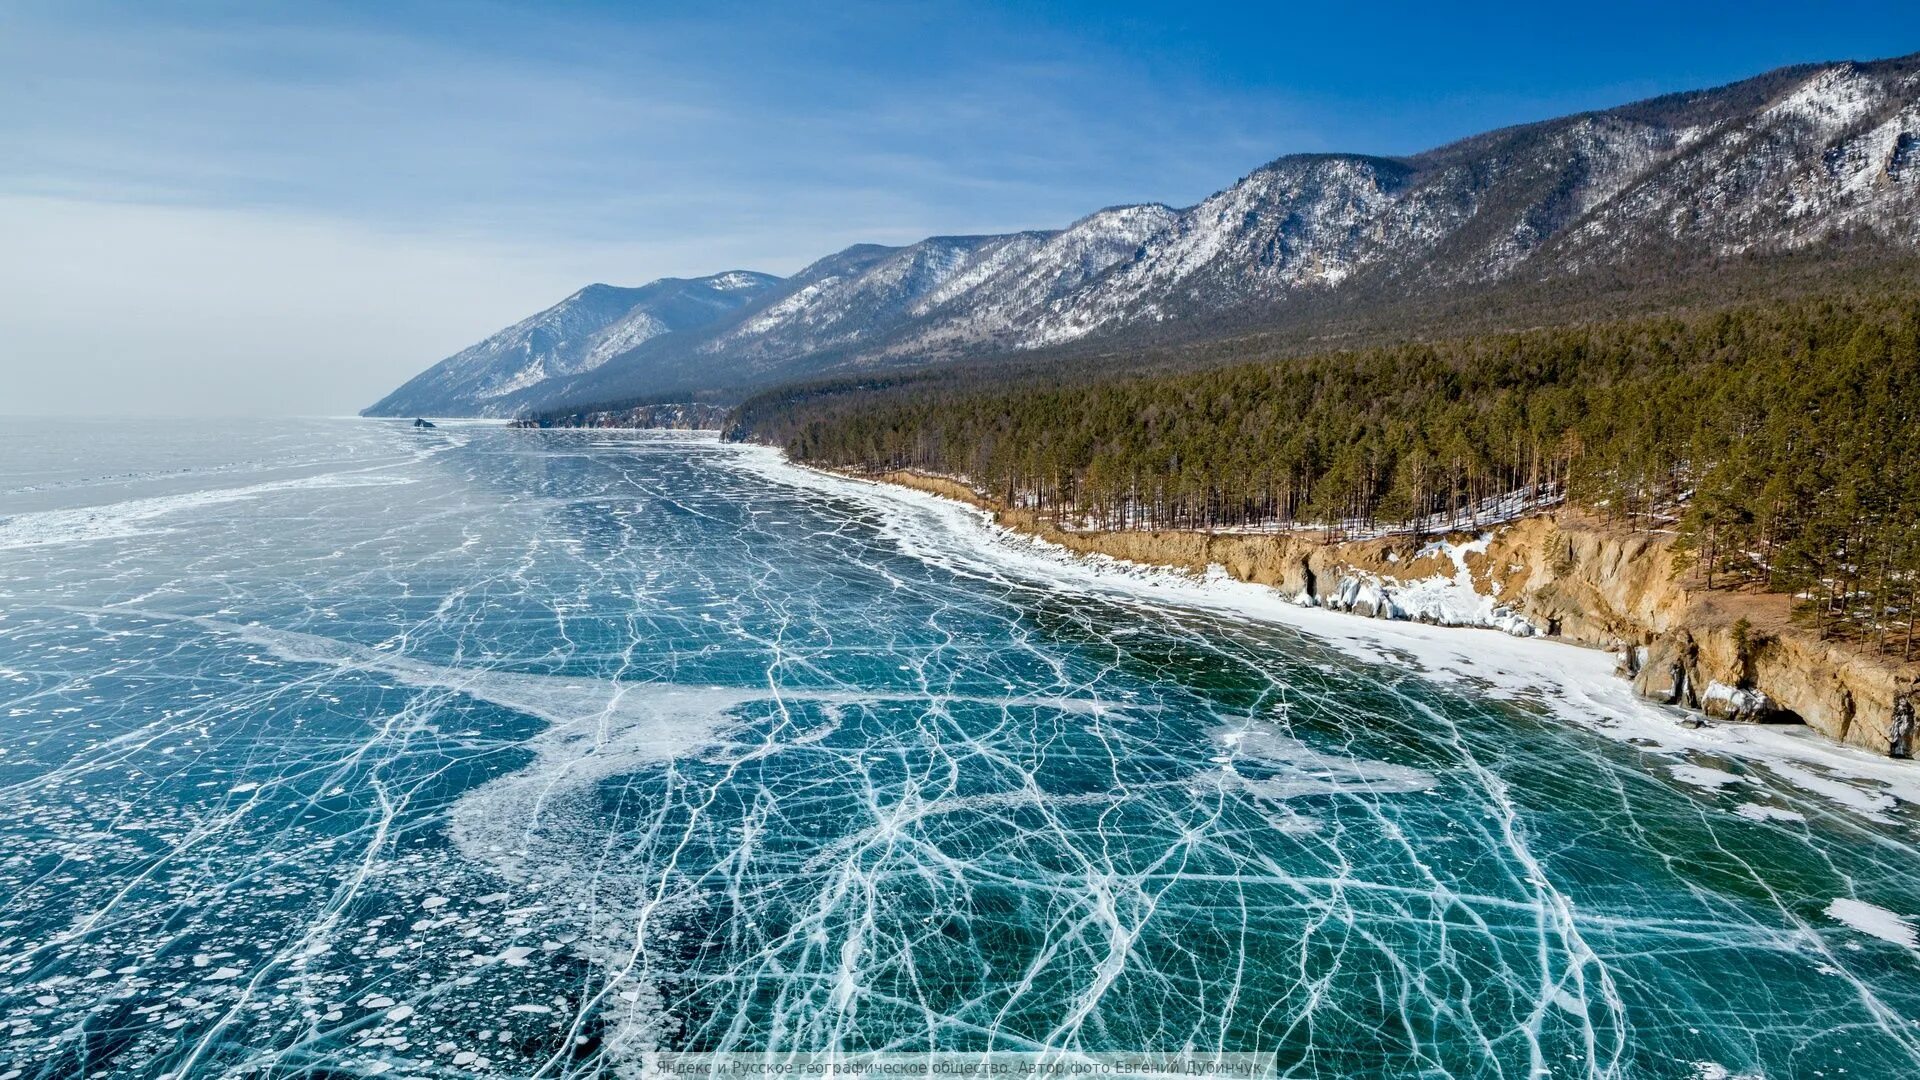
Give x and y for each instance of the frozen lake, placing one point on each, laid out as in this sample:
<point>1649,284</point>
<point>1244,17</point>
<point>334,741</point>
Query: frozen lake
<point>340,748</point>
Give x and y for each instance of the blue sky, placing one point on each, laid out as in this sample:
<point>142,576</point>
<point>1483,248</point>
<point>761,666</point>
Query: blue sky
<point>276,207</point>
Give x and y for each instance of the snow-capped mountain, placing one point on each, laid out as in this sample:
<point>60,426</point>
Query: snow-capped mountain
<point>879,305</point>
<point>1781,163</point>
<point>1000,306</point>
<point>574,336</point>
<point>1772,165</point>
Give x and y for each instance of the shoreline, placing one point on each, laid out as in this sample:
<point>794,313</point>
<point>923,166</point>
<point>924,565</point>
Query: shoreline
<point>1726,655</point>
<point>1574,682</point>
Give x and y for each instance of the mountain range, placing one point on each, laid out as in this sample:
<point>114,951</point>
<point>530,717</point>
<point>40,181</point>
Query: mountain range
<point>1788,162</point>
<point>572,338</point>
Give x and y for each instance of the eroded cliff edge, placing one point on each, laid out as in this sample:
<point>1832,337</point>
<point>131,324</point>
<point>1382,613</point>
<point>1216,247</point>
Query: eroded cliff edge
<point>1730,655</point>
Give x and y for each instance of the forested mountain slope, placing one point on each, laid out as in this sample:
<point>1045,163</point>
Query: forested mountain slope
<point>1811,163</point>
<point>1778,439</point>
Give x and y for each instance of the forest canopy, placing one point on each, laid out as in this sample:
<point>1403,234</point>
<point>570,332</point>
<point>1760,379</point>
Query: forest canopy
<point>1777,439</point>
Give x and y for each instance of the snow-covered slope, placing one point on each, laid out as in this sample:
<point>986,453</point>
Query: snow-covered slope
<point>1780,163</point>
<point>1295,223</point>
<point>576,335</point>
<point>871,305</point>
<point>1004,302</point>
<point>1837,152</point>
<point>1773,165</point>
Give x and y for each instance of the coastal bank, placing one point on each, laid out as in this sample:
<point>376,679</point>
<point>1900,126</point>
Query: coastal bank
<point>1737,657</point>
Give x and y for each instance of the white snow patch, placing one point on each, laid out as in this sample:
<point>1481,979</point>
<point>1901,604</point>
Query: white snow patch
<point>1763,812</point>
<point>1442,601</point>
<point>1702,776</point>
<point>137,517</point>
<point>1713,1070</point>
<point>1874,920</point>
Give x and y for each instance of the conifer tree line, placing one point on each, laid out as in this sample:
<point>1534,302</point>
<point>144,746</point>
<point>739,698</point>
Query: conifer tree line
<point>1777,440</point>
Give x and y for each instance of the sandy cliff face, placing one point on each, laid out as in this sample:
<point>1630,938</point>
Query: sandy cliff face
<point>1588,584</point>
<point>1851,697</point>
<point>1735,657</point>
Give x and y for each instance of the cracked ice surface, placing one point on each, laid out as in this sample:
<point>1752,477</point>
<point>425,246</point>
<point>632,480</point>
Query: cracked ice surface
<point>349,747</point>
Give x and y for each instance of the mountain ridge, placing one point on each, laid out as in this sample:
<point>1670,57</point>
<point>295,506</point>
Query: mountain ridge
<point>1782,162</point>
<point>593,325</point>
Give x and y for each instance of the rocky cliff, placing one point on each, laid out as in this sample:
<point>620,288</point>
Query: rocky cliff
<point>1731,656</point>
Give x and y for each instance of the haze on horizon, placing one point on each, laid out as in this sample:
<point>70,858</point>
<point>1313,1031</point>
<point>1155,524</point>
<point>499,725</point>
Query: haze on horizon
<point>216,211</point>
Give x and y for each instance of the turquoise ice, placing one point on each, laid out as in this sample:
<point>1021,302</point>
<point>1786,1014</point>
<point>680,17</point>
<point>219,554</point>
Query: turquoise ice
<point>340,748</point>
